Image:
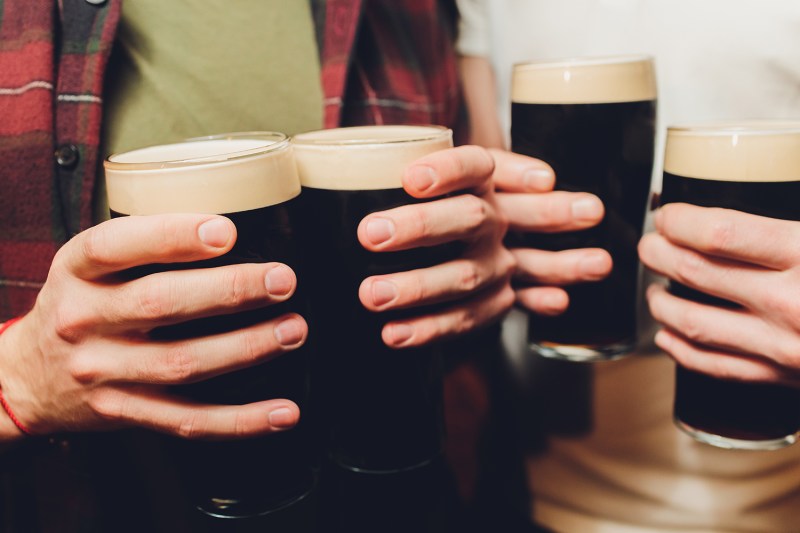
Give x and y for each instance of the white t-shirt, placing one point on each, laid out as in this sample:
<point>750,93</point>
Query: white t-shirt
<point>635,472</point>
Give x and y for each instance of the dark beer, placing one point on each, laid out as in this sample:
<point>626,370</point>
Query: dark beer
<point>251,179</point>
<point>380,408</point>
<point>752,168</point>
<point>593,121</point>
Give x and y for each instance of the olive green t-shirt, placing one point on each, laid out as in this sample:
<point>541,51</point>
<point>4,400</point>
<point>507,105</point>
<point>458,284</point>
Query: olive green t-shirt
<point>190,68</point>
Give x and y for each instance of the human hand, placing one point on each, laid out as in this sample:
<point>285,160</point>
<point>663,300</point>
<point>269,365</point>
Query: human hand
<point>476,285</point>
<point>528,200</point>
<point>749,260</point>
<point>82,358</point>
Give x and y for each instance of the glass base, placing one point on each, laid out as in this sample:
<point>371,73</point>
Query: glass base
<point>238,509</point>
<point>583,353</point>
<point>381,471</point>
<point>735,444</point>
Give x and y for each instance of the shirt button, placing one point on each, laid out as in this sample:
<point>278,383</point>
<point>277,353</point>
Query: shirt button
<point>67,156</point>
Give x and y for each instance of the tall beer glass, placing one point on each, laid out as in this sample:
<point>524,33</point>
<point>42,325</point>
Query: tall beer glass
<point>251,178</point>
<point>593,121</point>
<point>380,408</point>
<point>752,167</point>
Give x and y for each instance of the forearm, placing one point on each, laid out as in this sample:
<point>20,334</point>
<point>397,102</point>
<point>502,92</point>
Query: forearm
<point>480,96</point>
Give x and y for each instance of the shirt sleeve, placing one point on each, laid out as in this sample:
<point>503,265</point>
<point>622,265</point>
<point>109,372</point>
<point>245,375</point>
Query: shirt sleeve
<point>473,28</point>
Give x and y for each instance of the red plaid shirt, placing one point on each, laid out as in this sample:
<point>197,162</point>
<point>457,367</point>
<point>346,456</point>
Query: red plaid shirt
<point>383,61</point>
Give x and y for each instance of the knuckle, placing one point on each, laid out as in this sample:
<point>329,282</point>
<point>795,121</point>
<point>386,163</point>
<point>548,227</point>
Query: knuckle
<point>502,222</point>
<point>508,263</point>
<point>94,244</point>
<point>420,222</point>
<point>171,234</point>
<point>251,349</point>
<point>235,285</point>
<point>241,426</point>
<point>467,321</point>
<point>469,278</point>
<point>476,211</point>
<point>787,353</point>
<point>688,268</point>
<point>180,365</point>
<point>782,304</point>
<point>107,404</point>
<point>152,299</point>
<point>67,322</point>
<point>691,328</point>
<point>191,425</point>
<point>721,235</point>
<point>82,368</point>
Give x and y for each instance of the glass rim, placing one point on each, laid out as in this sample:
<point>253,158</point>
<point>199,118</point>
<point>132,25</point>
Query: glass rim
<point>724,128</point>
<point>583,61</point>
<point>278,141</point>
<point>305,139</point>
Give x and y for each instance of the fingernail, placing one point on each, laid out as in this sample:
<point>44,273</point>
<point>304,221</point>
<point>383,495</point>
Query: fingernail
<point>279,281</point>
<point>593,266</point>
<point>538,179</point>
<point>383,292</point>
<point>379,230</point>
<point>588,208</point>
<point>289,332</point>
<point>215,232</point>
<point>282,418</point>
<point>422,177</point>
<point>400,333</point>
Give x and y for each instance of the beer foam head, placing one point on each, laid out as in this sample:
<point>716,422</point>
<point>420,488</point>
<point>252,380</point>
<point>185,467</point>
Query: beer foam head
<point>591,80</point>
<point>757,151</point>
<point>219,174</point>
<point>364,157</point>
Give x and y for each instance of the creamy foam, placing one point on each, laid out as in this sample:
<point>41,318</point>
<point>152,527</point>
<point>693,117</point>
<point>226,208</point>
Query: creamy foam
<point>584,81</point>
<point>754,151</point>
<point>221,174</point>
<point>364,157</point>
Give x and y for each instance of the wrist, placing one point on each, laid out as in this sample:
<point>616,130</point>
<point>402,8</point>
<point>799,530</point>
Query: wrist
<point>11,428</point>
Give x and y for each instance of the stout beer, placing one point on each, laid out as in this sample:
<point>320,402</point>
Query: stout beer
<point>380,408</point>
<point>593,121</point>
<point>252,179</point>
<point>752,167</point>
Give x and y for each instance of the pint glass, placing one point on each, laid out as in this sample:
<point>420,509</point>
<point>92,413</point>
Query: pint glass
<point>380,409</point>
<point>252,179</point>
<point>751,166</point>
<point>593,121</point>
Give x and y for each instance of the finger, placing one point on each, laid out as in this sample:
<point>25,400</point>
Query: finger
<point>440,283</point>
<point>561,268</point>
<point>464,217</point>
<point>484,308</point>
<point>127,242</point>
<point>193,360</point>
<point>547,301</point>
<point>456,169</point>
<point>722,329</point>
<point>742,283</point>
<point>171,297</point>
<point>724,365</point>
<point>520,173</point>
<point>731,234</point>
<point>182,418</point>
<point>551,212</point>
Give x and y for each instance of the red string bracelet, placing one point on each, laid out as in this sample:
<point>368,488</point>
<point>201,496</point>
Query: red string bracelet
<point>7,408</point>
